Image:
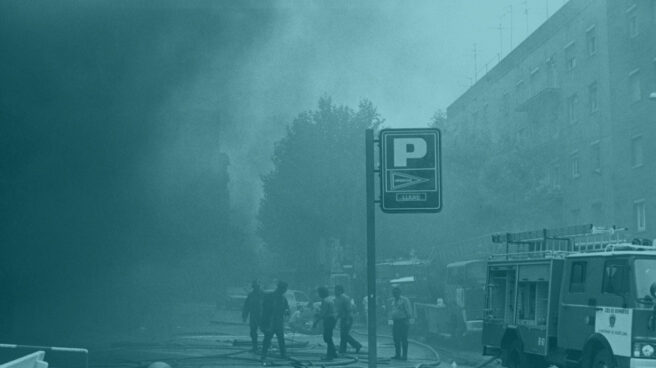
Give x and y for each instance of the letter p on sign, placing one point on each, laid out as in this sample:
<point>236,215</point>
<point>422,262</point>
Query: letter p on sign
<point>407,148</point>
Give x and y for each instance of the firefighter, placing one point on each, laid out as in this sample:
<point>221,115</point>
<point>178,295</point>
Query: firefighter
<point>253,311</point>
<point>328,318</point>
<point>274,309</point>
<point>400,313</point>
<point>344,308</point>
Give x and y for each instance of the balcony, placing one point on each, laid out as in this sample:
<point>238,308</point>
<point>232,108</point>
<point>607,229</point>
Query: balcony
<point>542,97</point>
<point>544,90</point>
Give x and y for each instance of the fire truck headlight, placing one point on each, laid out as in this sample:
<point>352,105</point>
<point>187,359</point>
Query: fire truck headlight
<point>647,350</point>
<point>644,350</point>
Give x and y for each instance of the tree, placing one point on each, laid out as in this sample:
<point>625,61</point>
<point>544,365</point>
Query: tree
<point>496,185</point>
<point>315,191</point>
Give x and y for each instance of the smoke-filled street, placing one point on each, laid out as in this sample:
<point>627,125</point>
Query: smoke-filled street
<point>357,183</point>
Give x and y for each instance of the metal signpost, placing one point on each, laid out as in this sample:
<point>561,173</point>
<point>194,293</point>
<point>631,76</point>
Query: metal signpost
<point>371,249</point>
<point>410,182</point>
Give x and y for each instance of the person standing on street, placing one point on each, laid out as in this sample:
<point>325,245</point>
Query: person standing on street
<point>327,317</point>
<point>344,307</point>
<point>401,313</point>
<point>253,312</point>
<point>274,309</point>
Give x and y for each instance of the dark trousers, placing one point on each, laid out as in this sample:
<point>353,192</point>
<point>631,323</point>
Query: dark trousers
<point>328,327</point>
<point>254,326</point>
<point>345,335</point>
<point>400,335</point>
<point>266,344</point>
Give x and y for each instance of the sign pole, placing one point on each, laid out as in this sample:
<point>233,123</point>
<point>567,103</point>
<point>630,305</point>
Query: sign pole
<point>371,248</point>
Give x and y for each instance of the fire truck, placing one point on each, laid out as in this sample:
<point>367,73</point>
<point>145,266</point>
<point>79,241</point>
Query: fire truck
<point>580,296</point>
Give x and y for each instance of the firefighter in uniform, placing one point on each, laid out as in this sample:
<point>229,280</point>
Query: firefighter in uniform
<point>253,312</point>
<point>328,318</point>
<point>400,313</point>
<point>274,309</point>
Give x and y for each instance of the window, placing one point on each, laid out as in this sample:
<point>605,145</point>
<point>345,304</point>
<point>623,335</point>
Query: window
<point>576,170</point>
<point>593,99</point>
<point>597,213</point>
<point>521,134</point>
<point>577,277</point>
<point>301,297</point>
<point>633,23</point>
<point>505,104</point>
<point>535,73</point>
<point>640,214</point>
<point>551,71</point>
<point>591,40</point>
<point>616,277</point>
<point>572,108</point>
<point>637,152</point>
<point>635,90</point>
<point>554,175</point>
<point>596,156</point>
<point>570,56</point>
<point>519,86</point>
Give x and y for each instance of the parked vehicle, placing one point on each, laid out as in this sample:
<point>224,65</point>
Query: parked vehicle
<point>576,296</point>
<point>234,298</point>
<point>458,312</point>
<point>302,319</point>
<point>411,274</point>
<point>296,299</point>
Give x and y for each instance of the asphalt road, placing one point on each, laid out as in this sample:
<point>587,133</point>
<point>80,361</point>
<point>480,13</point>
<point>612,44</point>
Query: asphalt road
<point>199,335</point>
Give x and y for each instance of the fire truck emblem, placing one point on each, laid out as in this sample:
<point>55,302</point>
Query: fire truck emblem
<point>611,320</point>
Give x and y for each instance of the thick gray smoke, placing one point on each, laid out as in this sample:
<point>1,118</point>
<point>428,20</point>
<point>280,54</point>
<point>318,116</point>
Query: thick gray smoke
<point>133,134</point>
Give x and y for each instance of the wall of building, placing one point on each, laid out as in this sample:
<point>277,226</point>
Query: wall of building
<point>566,90</point>
<point>632,33</point>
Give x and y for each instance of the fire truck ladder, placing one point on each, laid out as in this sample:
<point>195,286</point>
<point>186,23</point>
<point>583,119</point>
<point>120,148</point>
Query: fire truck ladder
<point>547,243</point>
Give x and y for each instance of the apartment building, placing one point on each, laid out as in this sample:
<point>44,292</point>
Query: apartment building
<point>578,89</point>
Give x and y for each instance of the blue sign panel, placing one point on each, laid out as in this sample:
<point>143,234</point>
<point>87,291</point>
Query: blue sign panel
<point>410,170</point>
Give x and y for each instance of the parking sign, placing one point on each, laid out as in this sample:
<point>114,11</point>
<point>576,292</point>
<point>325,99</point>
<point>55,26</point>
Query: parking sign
<point>410,170</point>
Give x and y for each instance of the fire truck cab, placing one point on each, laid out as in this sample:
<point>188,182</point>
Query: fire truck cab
<point>577,296</point>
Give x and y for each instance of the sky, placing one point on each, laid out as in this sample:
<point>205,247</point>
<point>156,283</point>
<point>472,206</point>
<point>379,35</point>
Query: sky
<point>410,59</point>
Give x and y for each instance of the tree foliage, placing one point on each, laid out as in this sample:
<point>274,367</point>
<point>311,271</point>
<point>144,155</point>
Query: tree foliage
<point>498,184</point>
<point>316,189</point>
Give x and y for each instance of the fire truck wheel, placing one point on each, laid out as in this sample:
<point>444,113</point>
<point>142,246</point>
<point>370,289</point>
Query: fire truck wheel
<point>512,356</point>
<point>603,358</point>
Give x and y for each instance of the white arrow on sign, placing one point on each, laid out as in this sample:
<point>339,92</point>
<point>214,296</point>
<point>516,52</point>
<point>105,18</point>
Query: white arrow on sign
<point>401,180</point>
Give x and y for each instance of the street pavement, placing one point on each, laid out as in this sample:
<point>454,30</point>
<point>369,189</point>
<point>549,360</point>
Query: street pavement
<point>199,335</point>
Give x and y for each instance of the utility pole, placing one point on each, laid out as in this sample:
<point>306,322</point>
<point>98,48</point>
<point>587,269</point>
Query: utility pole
<point>500,28</point>
<point>475,65</point>
<point>511,27</point>
<point>547,2</point>
<point>525,2</point>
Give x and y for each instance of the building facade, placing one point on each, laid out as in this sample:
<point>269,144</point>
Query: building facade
<point>577,92</point>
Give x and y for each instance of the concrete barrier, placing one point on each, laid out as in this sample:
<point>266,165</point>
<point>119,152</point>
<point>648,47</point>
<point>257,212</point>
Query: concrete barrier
<point>57,356</point>
<point>34,360</point>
